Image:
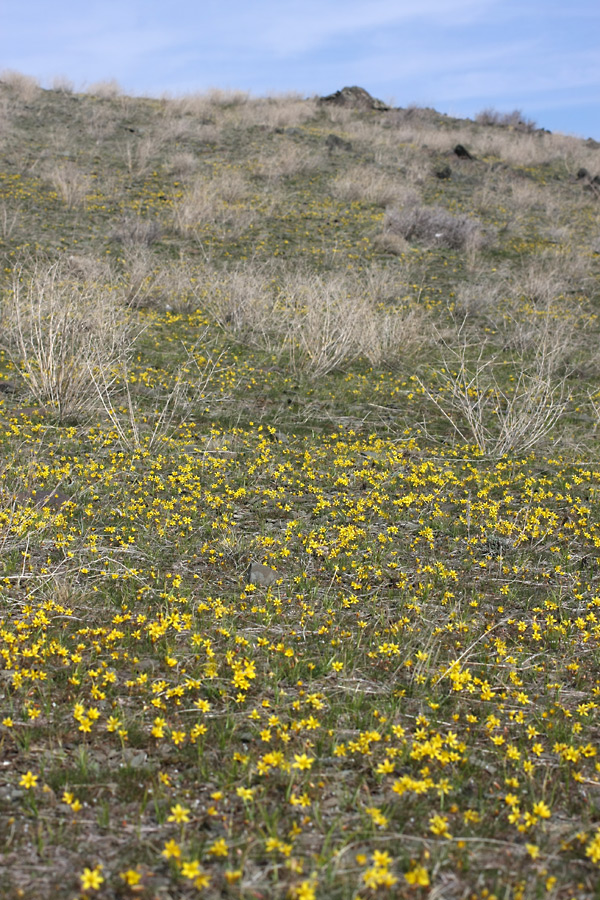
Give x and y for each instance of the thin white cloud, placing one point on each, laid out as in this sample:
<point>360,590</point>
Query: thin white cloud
<point>304,25</point>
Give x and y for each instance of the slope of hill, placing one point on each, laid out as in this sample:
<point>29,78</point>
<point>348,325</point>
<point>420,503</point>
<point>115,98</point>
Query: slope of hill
<point>360,347</point>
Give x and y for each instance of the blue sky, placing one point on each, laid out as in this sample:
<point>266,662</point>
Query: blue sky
<point>459,56</point>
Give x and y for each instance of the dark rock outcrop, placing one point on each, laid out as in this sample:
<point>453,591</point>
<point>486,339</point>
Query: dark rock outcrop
<point>462,152</point>
<point>353,98</point>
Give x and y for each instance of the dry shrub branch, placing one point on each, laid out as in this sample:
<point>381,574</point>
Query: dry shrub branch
<point>498,407</point>
<point>58,331</point>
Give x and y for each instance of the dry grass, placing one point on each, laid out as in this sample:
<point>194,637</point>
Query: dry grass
<point>218,202</point>
<point>367,184</point>
<point>314,323</point>
<point>287,160</point>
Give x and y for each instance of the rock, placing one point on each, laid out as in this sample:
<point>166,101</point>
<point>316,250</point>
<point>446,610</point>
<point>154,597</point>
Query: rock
<point>443,173</point>
<point>462,152</point>
<point>263,576</point>
<point>334,142</point>
<point>52,499</point>
<point>353,98</point>
<point>582,173</point>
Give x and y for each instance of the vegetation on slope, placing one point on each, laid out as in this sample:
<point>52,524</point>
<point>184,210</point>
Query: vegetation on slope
<point>239,330</point>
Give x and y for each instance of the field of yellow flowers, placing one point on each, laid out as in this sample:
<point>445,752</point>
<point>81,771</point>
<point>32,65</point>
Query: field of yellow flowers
<point>403,430</point>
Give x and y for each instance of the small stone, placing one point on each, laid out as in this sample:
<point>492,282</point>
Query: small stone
<point>462,152</point>
<point>263,576</point>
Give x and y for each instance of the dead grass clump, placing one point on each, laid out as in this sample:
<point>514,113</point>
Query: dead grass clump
<point>388,338</point>
<point>314,323</point>
<point>70,183</point>
<point>23,87</point>
<point>170,286</point>
<point>183,163</point>
<point>244,303</point>
<point>276,112</point>
<point>476,300</point>
<point>214,202</point>
<point>139,153</point>
<point>60,333</point>
<point>204,105</point>
<point>62,84</point>
<point>391,243</point>
<point>106,90</point>
<point>369,185</point>
<point>287,160</point>
<point>435,227</point>
<point>323,321</point>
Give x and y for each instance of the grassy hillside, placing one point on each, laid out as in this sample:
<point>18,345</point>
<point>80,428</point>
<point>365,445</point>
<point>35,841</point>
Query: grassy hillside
<point>299,507</point>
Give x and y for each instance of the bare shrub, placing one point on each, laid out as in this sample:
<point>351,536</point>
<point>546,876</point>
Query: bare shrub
<point>60,333</point>
<point>106,90</point>
<point>190,388</point>
<point>323,322</point>
<point>70,183</point>
<point>435,227</point>
<point>243,302</point>
<point>9,219</point>
<point>168,286</point>
<point>62,84</point>
<point>183,163</point>
<point>501,408</point>
<point>25,87</point>
<point>514,119</point>
<point>138,153</point>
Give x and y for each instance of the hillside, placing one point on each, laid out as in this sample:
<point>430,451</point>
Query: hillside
<point>299,501</point>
